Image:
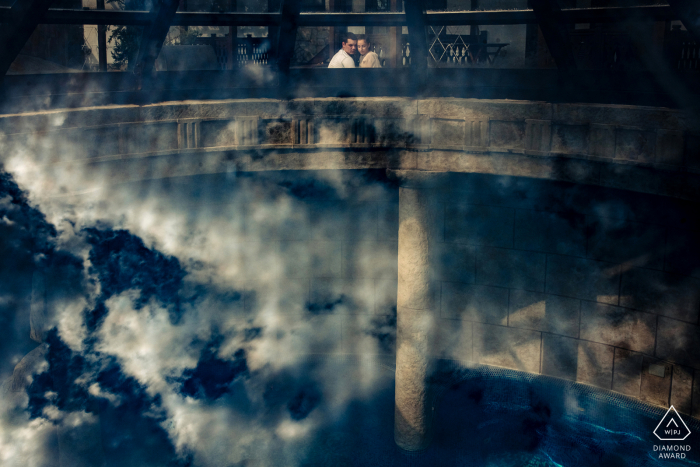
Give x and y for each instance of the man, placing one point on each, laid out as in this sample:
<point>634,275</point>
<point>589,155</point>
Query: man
<point>343,59</point>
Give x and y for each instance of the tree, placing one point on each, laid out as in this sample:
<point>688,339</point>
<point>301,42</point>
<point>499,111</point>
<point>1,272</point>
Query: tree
<point>126,38</point>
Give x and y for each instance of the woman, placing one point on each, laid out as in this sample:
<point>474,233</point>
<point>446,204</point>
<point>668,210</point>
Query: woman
<point>367,59</point>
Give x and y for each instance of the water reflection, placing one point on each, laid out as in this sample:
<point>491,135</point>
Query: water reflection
<point>250,319</point>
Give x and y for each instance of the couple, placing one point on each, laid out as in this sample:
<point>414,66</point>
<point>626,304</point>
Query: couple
<point>352,43</point>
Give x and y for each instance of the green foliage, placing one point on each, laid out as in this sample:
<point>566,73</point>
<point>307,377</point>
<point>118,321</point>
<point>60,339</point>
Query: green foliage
<point>188,37</point>
<point>126,46</point>
<point>126,38</point>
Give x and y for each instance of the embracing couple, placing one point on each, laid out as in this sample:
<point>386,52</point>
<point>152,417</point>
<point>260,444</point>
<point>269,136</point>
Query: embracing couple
<point>351,45</point>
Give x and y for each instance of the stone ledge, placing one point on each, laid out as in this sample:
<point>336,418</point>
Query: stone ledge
<point>641,149</point>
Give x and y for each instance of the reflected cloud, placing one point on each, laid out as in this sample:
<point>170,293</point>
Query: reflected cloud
<point>240,317</point>
<point>176,307</point>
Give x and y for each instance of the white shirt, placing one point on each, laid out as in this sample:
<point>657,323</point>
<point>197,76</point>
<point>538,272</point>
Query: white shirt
<point>342,60</point>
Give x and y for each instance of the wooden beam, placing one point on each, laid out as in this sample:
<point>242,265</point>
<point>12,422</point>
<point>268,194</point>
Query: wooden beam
<point>142,18</point>
<point>418,41</point>
<point>22,19</point>
<point>273,30</point>
<point>153,36</point>
<point>61,16</point>
<point>331,32</point>
<point>287,35</point>
<point>393,58</point>
<point>688,11</point>
<point>232,41</point>
<point>101,40</point>
<point>555,32</point>
<point>232,48</point>
<point>617,14</point>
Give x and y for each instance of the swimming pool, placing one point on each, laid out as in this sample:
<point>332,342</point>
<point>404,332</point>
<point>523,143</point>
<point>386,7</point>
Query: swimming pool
<point>486,416</point>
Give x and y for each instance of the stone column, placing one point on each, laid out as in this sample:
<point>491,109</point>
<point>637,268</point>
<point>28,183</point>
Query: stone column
<point>417,310</point>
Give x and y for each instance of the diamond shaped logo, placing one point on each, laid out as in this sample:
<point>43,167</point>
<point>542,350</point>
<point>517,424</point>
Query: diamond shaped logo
<point>672,427</point>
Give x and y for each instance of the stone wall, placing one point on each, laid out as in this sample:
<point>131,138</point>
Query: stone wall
<point>652,150</point>
<point>591,284</point>
<point>588,284</point>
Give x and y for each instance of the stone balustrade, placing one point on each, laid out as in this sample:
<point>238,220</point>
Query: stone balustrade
<point>652,150</point>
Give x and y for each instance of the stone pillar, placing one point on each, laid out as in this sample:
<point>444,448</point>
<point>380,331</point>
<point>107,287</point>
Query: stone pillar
<point>417,311</point>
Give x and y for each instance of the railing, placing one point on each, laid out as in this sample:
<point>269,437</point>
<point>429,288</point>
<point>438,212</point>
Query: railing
<point>614,50</point>
<point>682,51</point>
<point>143,18</point>
<point>592,48</point>
<point>253,51</point>
<point>249,50</point>
<point>689,56</point>
<point>446,49</point>
<point>595,49</point>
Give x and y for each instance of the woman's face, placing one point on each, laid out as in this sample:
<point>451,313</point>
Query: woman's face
<point>362,47</point>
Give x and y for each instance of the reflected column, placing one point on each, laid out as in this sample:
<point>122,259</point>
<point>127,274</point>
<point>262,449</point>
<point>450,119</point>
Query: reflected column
<point>416,314</point>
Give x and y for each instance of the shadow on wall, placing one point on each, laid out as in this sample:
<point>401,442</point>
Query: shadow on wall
<point>589,284</point>
<point>196,306</point>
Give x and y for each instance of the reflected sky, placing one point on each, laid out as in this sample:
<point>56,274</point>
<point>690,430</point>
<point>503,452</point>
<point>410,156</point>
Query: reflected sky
<point>177,318</point>
<point>244,319</point>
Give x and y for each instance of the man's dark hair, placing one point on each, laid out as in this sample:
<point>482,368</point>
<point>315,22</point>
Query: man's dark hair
<point>363,37</point>
<point>348,35</point>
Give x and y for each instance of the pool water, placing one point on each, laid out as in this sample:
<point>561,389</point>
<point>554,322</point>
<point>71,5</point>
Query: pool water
<point>496,417</point>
